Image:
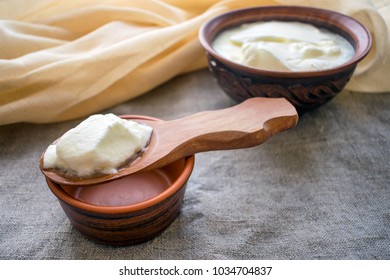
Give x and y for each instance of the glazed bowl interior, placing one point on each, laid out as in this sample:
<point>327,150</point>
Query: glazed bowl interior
<point>304,89</point>
<point>176,174</point>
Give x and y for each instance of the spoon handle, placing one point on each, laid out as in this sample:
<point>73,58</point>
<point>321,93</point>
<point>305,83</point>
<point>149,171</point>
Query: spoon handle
<point>247,124</point>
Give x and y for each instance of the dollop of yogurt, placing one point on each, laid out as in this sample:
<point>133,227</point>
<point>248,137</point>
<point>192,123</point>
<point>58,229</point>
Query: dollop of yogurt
<point>98,145</point>
<point>283,46</point>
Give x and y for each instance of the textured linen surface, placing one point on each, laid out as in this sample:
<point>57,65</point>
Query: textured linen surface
<point>318,191</point>
<point>64,59</point>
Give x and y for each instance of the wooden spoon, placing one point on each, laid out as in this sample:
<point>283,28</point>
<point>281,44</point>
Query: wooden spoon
<point>245,125</point>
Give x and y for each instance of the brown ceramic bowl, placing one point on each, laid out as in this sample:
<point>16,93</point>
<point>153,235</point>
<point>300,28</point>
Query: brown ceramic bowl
<point>305,90</point>
<point>130,210</point>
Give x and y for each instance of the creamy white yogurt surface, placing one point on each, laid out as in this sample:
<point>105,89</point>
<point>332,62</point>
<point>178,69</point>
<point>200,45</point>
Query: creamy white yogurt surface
<point>283,46</point>
<point>99,144</point>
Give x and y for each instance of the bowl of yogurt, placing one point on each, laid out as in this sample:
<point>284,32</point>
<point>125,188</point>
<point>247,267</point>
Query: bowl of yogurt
<point>306,55</point>
<point>125,211</point>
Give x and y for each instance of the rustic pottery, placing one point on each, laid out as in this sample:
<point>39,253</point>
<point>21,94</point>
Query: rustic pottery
<point>305,90</point>
<point>101,213</point>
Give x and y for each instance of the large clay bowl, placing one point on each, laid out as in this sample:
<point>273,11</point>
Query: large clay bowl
<point>305,90</point>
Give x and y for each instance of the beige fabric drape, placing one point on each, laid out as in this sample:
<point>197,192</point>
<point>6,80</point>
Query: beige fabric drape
<point>61,59</point>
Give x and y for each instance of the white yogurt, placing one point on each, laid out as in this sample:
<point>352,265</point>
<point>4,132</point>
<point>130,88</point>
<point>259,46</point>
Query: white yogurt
<point>283,46</point>
<point>99,144</point>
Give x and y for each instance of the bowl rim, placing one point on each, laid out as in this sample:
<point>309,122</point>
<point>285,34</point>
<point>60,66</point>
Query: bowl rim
<point>63,196</point>
<point>364,42</point>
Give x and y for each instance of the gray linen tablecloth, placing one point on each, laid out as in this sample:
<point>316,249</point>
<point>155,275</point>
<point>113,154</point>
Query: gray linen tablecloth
<point>318,191</point>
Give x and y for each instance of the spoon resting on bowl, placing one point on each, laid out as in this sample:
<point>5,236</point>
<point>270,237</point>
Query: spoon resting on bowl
<point>245,125</point>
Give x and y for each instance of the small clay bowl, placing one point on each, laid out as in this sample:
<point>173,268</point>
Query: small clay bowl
<point>305,90</point>
<point>129,210</point>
